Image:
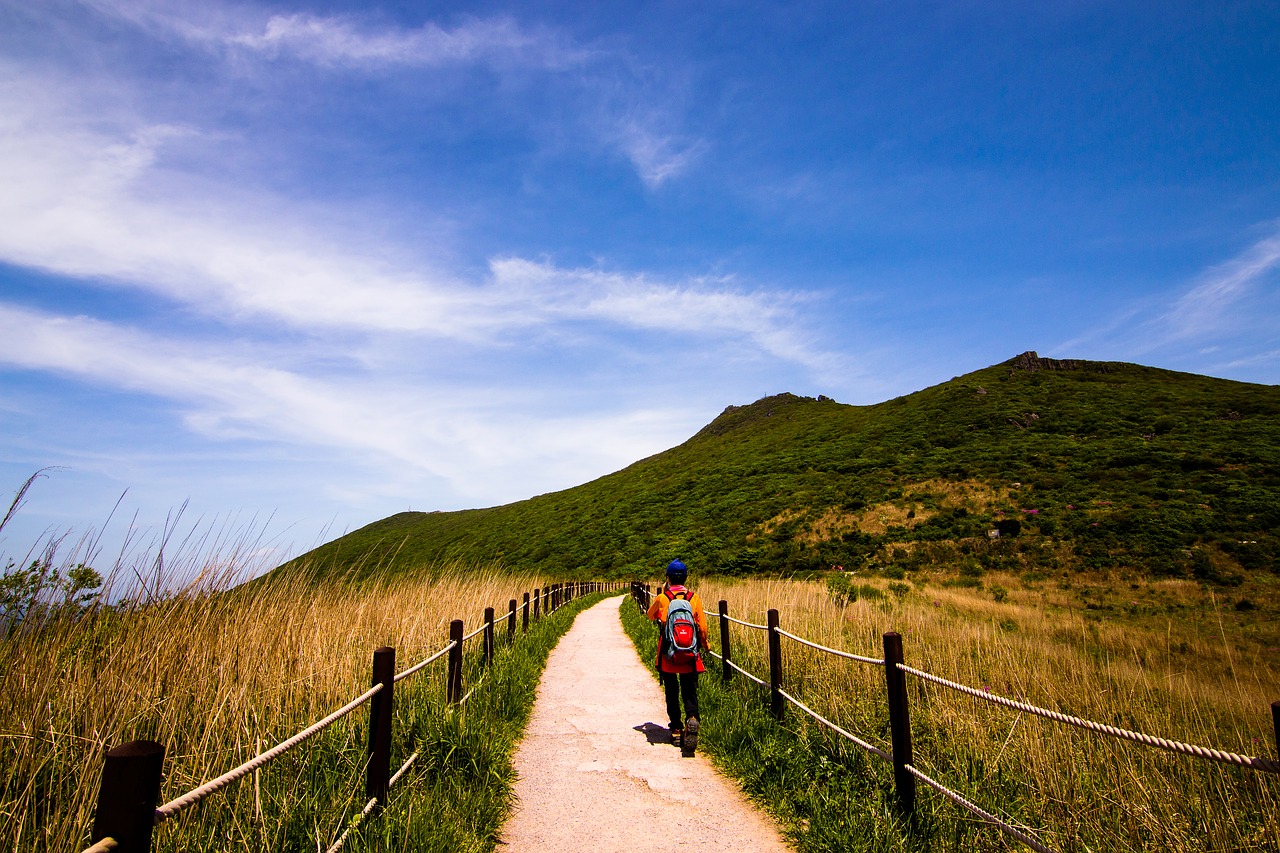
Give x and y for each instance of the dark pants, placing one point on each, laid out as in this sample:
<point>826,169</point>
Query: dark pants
<point>678,685</point>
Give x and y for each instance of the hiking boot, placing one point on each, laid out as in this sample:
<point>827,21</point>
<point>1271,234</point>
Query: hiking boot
<point>677,737</point>
<point>690,742</point>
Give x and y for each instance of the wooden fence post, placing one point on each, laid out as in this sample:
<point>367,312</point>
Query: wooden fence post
<point>724,639</point>
<point>899,722</point>
<point>488,637</point>
<point>378,770</point>
<point>775,667</point>
<point>524,618</point>
<point>537,600</point>
<point>128,795</point>
<point>511,622</point>
<point>453,682</point>
<point>1275,718</point>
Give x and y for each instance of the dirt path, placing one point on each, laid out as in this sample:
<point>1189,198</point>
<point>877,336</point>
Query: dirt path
<point>596,771</point>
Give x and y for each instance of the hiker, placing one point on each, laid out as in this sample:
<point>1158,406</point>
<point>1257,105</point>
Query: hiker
<point>682,624</point>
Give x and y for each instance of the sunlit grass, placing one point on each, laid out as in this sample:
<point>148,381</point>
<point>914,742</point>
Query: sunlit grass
<point>218,672</point>
<point>1170,662</point>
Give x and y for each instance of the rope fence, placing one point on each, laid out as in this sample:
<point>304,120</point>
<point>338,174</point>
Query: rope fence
<point>759,681</point>
<point>126,812</point>
<point>106,845</point>
<point>194,796</point>
<point>875,750</point>
<point>740,622</point>
<point>836,652</point>
<point>896,670</point>
<point>1266,765</point>
<point>370,806</point>
<point>1007,829</point>
<point>400,676</point>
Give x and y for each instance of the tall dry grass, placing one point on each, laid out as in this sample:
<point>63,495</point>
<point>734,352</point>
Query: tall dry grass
<point>217,673</point>
<point>1200,676</point>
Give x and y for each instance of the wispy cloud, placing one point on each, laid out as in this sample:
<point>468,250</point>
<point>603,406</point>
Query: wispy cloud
<point>226,392</point>
<point>95,204</point>
<point>347,40</point>
<point>631,115</point>
<point>657,157</point>
<point>1223,302</point>
<point>1207,308</point>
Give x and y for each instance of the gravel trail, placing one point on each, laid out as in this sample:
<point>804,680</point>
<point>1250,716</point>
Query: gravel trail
<point>597,772</point>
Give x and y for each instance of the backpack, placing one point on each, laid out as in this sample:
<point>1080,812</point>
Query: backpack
<point>680,631</point>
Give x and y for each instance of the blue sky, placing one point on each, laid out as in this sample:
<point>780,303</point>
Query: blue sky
<point>303,265</point>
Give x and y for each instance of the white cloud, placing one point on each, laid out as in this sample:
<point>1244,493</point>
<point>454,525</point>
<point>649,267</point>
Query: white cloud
<point>481,441</point>
<point>94,203</point>
<point>1208,307</point>
<point>345,40</point>
<point>628,111</point>
<point>657,157</point>
<point>1224,303</point>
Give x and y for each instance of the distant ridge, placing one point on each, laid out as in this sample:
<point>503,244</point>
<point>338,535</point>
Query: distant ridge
<point>1074,464</point>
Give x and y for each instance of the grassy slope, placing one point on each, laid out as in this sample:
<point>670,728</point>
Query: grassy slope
<point>1076,791</point>
<point>1125,466</point>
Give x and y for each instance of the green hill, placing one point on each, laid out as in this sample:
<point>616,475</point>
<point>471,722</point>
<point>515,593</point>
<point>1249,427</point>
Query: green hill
<point>1076,464</point>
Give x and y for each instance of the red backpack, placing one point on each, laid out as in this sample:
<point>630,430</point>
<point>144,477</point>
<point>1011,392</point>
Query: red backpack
<point>680,631</point>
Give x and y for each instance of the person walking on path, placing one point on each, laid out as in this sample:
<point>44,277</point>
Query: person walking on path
<point>678,664</point>
<point>594,772</point>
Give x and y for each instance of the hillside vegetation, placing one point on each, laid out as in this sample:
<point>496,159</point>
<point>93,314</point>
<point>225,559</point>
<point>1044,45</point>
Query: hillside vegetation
<point>1079,465</point>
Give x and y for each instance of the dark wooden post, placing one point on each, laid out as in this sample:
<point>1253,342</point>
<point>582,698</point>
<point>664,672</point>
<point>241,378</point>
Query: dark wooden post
<point>524,617</point>
<point>724,639</point>
<point>128,795</point>
<point>899,722</point>
<point>537,601</point>
<point>453,684</point>
<point>378,771</point>
<point>775,667</point>
<point>488,637</point>
<point>1275,718</point>
<point>511,622</point>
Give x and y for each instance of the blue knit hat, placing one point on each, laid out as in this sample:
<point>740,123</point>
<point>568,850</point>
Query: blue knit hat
<point>677,571</point>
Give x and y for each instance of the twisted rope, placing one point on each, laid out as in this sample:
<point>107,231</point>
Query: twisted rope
<point>985,815</point>
<point>411,670</point>
<point>479,630</point>
<point>403,769</point>
<point>859,741</point>
<point>1264,764</point>
<point>849,655</point>
<point>104,846</point>
<point>746,624</point>
<point>368,807</point>
<point>738,668</point>
<point>172,807</point>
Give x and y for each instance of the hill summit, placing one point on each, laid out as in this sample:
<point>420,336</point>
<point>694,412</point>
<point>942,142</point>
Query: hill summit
<point>1031,464</point>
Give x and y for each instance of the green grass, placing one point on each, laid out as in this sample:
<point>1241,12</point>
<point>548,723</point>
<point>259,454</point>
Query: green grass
<point>825,796</point>
<point>219,675</point>
<point>1076,791</point>
<point>1087,466</point>
<point>460,792</point>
